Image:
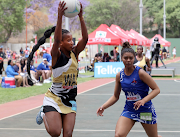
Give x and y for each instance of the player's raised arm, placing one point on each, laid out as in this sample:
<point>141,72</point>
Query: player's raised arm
<point>55,53</point>
<point>82,43</point>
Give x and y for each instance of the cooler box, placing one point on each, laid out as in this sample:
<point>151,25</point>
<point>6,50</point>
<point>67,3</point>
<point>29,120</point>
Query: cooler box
<point>9,80</point>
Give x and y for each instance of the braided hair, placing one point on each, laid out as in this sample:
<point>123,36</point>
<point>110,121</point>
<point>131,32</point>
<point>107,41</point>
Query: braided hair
<point>126,47</point>
<point>40,42</point>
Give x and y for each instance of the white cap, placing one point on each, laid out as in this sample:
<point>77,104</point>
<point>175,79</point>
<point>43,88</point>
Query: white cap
<point>44,59</point>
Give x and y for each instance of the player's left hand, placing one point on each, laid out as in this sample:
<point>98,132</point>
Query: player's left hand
<point>100,111</point>
<point>139,103</point>
<point>81,11</point>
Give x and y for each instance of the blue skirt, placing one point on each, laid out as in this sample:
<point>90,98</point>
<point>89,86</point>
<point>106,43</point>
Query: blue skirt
<point>135,115</point>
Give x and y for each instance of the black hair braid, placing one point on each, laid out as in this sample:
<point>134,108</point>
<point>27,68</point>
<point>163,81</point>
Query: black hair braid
<point>40,42</point>
<point>126,47</point>
<point>64,31</point>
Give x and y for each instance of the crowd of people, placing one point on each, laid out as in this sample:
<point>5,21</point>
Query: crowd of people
<point>17,67</point>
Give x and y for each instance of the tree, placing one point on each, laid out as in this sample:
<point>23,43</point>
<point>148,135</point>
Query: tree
<point>38,19</point>
<point>153,12</point>
<point>52,9</point>
<point>124,13</point>
<point>11,18</point>
<point>156,11</point>
<point>173,17</point>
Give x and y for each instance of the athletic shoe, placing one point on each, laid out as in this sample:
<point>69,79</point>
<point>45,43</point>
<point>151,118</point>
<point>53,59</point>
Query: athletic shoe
<point>46,81</point>
<point>39,118</point>
<point>38,84</point>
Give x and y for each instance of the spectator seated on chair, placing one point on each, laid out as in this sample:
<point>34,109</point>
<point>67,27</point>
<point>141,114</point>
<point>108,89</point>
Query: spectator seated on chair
<point>23,73</point>
<point>44,54</point>
<point>34,74</point>
<point>44,71</point>
<point>10,72</point>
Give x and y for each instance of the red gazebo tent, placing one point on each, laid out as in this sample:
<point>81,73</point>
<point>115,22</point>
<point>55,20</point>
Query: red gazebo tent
<point>104,35</point>
<point>162,41</point>
<point>116,29</point>
<point>142,39</point>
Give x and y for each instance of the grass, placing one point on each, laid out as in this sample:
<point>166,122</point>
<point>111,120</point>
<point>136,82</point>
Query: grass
<point>12,94</point>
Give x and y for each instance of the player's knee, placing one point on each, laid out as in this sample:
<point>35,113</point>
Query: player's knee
<point>55,133</point>
<point>118,134</point>
<point>68,133</point>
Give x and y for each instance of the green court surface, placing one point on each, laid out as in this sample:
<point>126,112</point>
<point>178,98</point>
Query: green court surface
<point>88,124</point>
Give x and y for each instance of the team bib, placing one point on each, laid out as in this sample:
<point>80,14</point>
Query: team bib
<point>134,97</point>
<point>146,116</point>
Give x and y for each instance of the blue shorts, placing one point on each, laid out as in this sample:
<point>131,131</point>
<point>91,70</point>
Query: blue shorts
<point>136,116</point>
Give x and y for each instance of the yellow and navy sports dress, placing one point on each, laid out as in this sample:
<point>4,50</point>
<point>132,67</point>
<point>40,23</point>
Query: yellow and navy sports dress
<point>135,89</point>
<point>61,96</point>
<point>141,63</point>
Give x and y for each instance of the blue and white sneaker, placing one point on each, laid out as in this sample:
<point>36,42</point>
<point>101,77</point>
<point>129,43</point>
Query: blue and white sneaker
<point>39,118</point>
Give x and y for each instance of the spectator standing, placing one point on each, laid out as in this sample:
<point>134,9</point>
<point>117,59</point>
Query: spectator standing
<point>148,53</point>
<point>2,54</point>
<point>1,66</point>
<point>21,52</point>
<point>43,49</point>
<point>164,53</point>
<point>115,54</point>
<point>168,54</point>
<point>10,72</point>
<point>49,60</point>
<point>8,53</point>
<point>174,52</point>
<point>26,52</point>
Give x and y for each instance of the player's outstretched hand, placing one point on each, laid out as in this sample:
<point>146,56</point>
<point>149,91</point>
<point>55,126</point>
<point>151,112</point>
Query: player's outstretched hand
<point>61,8</point>
<point>81,11</point>
<point>100,111</point>
<point>139,103</point>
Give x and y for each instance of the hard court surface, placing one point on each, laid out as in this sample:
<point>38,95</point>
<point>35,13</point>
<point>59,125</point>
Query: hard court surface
<point>88,124</point>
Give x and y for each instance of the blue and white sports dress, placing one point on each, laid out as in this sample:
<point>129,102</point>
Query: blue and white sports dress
<point>135,89</point>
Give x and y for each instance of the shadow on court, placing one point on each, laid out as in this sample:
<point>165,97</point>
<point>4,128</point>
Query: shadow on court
<point>88,124</point>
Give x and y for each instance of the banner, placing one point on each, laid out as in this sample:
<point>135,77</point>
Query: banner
<point>107,69</point>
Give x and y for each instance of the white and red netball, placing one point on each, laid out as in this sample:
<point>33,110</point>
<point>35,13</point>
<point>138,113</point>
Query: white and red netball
<point>73,8</point>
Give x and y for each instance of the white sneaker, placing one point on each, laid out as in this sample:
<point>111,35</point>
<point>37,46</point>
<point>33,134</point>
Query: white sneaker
<point>38,84</point>
<point>46,81</point>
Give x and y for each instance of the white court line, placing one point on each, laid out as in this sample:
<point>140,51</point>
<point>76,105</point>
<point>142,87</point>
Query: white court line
<point>19,113</point>
<point>177,80</point>
<point>96,87</point>
<point>82,130</point>
<point>124,94</point>
<point>40,106</point>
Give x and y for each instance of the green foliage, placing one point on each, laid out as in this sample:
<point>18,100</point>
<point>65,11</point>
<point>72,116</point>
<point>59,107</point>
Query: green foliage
<point>124,13</point>
<point>11,18</point>
<point>173,16</point>
<point>155,11</point>
<point>41,31</point>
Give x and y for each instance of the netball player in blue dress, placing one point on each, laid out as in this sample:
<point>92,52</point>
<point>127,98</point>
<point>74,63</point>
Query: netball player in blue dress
<point>135,82</point>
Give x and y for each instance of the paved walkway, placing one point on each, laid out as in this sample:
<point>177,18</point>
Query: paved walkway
<point>166,62</point>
